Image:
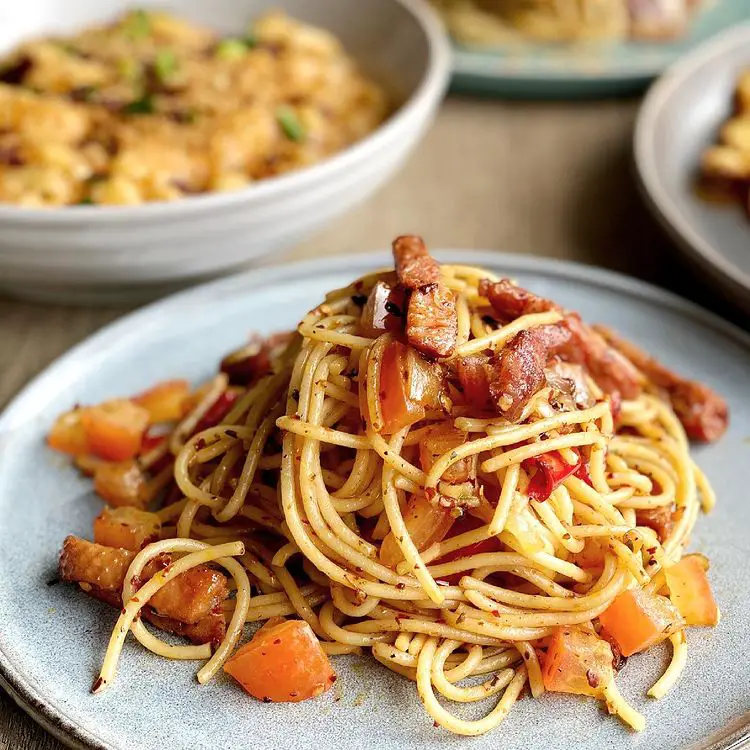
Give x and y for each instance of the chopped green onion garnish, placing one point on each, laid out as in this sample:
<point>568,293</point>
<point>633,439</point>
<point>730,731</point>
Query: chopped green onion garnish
<point>142,106</point>
<point>137,24</point>
<point>231,49</point>
<point>165,64</point>
<point>290,124</point>
<point>250,40</point>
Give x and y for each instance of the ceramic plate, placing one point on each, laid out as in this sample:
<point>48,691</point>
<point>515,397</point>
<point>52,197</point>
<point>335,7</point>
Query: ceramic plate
<point>52,638</point>
<point>545,71</point>
<point>680,117</point>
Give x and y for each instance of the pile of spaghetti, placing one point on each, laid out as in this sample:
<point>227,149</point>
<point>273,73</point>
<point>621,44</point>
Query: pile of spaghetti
<point>438,466</point>
<point>487,22</point>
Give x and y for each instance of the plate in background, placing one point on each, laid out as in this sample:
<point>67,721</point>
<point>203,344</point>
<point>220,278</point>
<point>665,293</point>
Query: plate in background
<point>48,656</point>
<point>679,118</point>
<point>533,70</point>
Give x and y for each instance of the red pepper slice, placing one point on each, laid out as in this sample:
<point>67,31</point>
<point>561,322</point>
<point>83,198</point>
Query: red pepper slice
<point>551,471</point>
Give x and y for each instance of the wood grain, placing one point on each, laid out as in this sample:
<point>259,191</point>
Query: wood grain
<point>550,179</point>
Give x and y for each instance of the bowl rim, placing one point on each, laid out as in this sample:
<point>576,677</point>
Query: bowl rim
<point>658,196</point>
<point>429,90</point>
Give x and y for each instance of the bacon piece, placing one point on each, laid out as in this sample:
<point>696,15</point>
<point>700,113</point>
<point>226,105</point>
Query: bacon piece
<point>612,372</point>
<point>474,376</point>
<point>250,363</point>
<point>660,519</point>
<point>209,629</point>
<point>432,322</point>
<point>189,597</point>
<point>703,413</point>
<point>519,371</point>
<point>415,267</point>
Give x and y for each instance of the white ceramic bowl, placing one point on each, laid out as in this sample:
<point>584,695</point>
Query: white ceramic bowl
<point>104,254</point>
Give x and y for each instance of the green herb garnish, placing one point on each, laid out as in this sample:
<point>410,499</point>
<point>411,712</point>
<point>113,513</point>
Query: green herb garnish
<point>86,202</point>
<point>250,40</point>
<point>137,24</point>
<point>290,124</point>
<point>142,106</point>
<point>165,64</point>
<point>231,49</point>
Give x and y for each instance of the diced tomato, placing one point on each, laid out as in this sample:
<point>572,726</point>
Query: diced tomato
<point>577,661</point>
<point>67,434</point>
<point>397,408</point>
<point>127,528</point>
<point>690,591</point>
<point>426,522</point>
<point>120,484</point>
<point>441,440</point>
<point>282,663</point>
<point>638,619</point>
<point>114,430</point>
<point>385,310</point>
<point>165,401</point>
<point>218,410</point>
<point>550,471</point>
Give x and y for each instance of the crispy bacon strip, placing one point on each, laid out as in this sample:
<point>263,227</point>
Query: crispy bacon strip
<point>191,596</point>
<point>612,371</point>
<point>431,321</point>
<point>415,267</point>
<point>703,413</point>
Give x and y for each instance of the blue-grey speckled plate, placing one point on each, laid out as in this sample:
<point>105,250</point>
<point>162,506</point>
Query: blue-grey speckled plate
<point>531,70</point>
<point>680,117</point>
<point>52,637</point>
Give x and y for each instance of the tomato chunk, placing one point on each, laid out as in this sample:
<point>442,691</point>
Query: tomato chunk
<point>550,471</point>
<point>690,591</point>
<point>441,440</point>
<point>577,661</point>
<point>165,401</point>
<point>114,430</point>
<point>638,619</point>
<point>126,528</point>
<point>282,663</point>
<point>426,522</point>
<point>397,408</point>
<point>67,434</point>
<point>121,484</point>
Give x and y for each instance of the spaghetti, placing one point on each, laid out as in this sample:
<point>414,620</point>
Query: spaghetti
<point>481,520</point>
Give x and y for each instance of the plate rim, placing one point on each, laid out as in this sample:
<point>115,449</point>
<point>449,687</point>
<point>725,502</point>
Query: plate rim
<point>27,695</point>
<point>656,194</point>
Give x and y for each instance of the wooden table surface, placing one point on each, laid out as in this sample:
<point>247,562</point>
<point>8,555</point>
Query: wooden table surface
<point>552,179</point>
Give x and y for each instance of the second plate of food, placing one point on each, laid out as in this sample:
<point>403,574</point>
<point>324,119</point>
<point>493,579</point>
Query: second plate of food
<point>691,149</point>
<point>279,446</point>
<point>582,49</point>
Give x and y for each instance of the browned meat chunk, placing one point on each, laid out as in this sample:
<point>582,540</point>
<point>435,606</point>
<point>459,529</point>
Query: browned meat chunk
<point>507,381</point>
<point>518,373</point>
<point>191,596</point>
<point>431,321</point>
<point>612,372</point>
<point>474,376</point>
<point>703,413</point>
<point>415,267</point>
<point>659,519</point>
<point>209,629</point>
